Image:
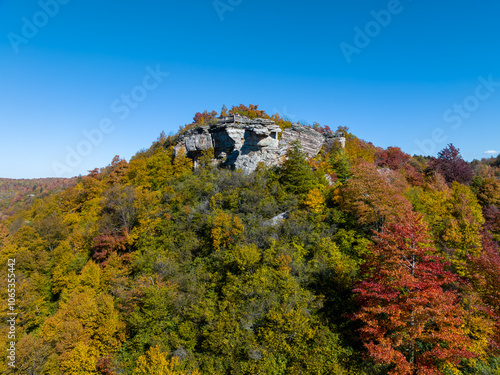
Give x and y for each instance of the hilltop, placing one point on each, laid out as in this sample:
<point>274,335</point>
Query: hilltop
<point>239,142</point>
<point>340,257</point>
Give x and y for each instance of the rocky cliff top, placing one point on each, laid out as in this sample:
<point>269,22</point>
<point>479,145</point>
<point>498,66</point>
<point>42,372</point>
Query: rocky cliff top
<point>241,142</point>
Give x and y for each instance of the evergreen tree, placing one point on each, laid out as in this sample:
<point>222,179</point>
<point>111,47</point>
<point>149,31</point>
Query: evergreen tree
<point>297,176</point>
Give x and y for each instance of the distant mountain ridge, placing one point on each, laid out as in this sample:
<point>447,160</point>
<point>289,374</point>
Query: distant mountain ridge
<point>16,194</point>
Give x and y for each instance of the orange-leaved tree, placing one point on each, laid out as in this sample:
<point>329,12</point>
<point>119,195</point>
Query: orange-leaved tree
<point>374,195</point>
<point>412,318</point>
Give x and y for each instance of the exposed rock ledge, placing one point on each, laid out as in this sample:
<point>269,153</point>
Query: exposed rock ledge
<point>240,142</point>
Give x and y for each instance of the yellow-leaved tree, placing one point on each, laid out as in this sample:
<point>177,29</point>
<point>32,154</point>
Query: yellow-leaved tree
<point>225,229</point>
<point>156,362</point>
<point>455,219</point>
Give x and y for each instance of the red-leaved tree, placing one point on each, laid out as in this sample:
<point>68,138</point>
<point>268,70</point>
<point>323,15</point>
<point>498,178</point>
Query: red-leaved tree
<point>109,242</point>
<point>392,158</point>
<point>205,117</point>
<point>452,166</point>
<point>412,318</point>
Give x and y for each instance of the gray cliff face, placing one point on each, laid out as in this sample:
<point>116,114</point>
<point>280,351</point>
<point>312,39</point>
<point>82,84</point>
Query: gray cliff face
<point>242,143</point>
<point>311,140</point>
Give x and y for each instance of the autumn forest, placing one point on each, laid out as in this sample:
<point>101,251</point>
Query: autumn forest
<point>362,260</point>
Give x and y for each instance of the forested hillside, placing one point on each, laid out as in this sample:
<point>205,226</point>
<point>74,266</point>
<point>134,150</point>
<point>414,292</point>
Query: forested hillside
<point>18,194</point>
<point>360,261</point>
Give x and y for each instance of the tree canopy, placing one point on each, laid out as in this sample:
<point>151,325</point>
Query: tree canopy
<point>360,260</point>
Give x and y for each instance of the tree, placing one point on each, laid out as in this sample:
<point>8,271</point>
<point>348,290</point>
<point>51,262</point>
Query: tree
<point>119,212</point>
<point>452,166</point>
<point>374,195</point>
<point>86,327</point>
<point>225,229</point>
<point>492,220</point>
<point>486,277</point>
<point>359,150</point>
<point>52,229</point>
<point>461,236</point>
<point>252,111</point>
<point>455,219</point>
<point>412,319</point>
<point>32,354</point>
<point>154,171</point>
<point>156,362</point>
<point>81,360</point>
<point>116,171</point>
<point>315,201</point>
<point>296,174</point>
<point>106,244</point>
<point>339,160</point>
<point>205,117</point>
<point>392,158</point>
<point>223,111</point>
<point>395,159</point>
<point>489,192</point>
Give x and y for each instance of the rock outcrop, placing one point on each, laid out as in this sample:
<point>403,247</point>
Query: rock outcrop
<point>311,140</point>
<point>242,143</point>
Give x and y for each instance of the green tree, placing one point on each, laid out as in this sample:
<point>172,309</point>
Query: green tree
<point>296,174</point>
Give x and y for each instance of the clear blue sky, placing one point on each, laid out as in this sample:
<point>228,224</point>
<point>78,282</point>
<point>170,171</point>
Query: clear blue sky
<point>65,65</point>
